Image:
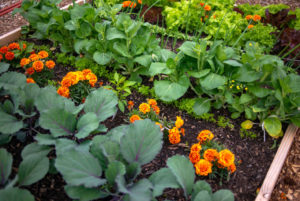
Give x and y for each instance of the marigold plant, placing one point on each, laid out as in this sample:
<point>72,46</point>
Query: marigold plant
<point>205,135</point>
<point>134,117</point>
<point>226,158</point>
<point>144,108</point>
<point>203,167</point>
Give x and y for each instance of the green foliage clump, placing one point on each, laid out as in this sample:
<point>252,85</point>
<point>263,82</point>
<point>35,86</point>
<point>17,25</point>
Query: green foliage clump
<point>224,122</point>
<point>65,59</point>
<point>247,134</point>
<point>257,9</point>
<point>99,70</point>
<point>43,47</point>
<point>100,3</point>
<point>295,23</point>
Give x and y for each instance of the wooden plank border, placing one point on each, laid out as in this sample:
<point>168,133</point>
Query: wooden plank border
<point>276,166</point>
<point>16,33</point>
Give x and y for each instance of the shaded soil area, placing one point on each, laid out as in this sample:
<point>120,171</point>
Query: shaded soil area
<point>288,183</point>
<point>292,3</point>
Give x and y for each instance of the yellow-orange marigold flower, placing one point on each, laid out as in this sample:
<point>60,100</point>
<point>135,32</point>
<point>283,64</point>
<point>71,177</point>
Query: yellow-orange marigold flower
<point>174,138</point>
<point>201,4</point>
<point>182,131</point>
<point>64,91</point>
<point>203,167</point>
<point>207,8</point>
<point>128,4</point>
<point>250,26</point>
<point>34,57</point>
<point>134,117</point>
<point>232,168</point>
<point>38,66</point>
<point>226,158</point>
<point>249,17</point>
<point>72,76</point>
<point>24,62</point>
<point>179,122</point>
<point>156,109</point>
<point>30,80</point>
<point>256,18</point>
<point>196,148</point>
<point>86,72</point>
<point>1,57</point>
<point>204,136</point>
<point>130,105</point>
<point>144,108</point>
<point>4,50</point>
<point>66,82</point>
<point>194,157</point>
<point>43,54</point>
<point>140,1</point>
<point>50,64</point>
<point>152,102</point>
<point>13,46</point>
<point>9,56</point>
<point>30,71</point>
<point>211,155</point>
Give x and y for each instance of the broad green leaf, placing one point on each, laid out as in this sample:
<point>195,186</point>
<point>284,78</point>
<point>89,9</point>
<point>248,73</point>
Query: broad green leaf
<point>184,172</point>
<point>235,115</point>
<point>161,180</point>
<point>12,80</point>
<point>86,124</point>
<point>15,194</point>
<point>32,169</point>
<point>102,58</point>
<point>48,99</point>
<point>213,81</point>
<point>4,139</point>
<point>35,149</point>
<point>8,107</point>
<point>102,102</point>
<point>111,150</point>
<point>199,74</point>
<point>117,133</point>
<point>273,126</point>
<point>79,45</point>
<point>188,49</point>
<point>142,142</point>
<point>167,54</point>
<point>203,196</point>
<point>80,168</point>
<point>84,30</point>
<point>233,63</point>
<point>170,91</point>
<point>293,82</point>
<point>45,139</point>
<point>140,191</point>
<point>4,67</point>
<point>223,195</point>
<point>247,124</point>
<point>245,75</point>
<point>5,165</point>
<point>84,194</point>
<point>201,106</point>
<point>63,145</point>
<point>245,98</point>
<point>201,186</point>
<point>159,68</point>
<point>121,49</point>
<point>144,60</point>
<point>9,124</point>
<point>59,122</point>
<point>259,91</point>
<point>113,33</point>
<point>114,169</point>
<point>296,121</point>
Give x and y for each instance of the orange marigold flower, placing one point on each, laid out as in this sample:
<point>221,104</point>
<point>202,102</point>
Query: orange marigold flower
<point>182,131</point>
<point>38,66</point>
<point>256,18</point>
<point>232,168</point>
<point>30,80</point>
<point>140,1</point>
<point>203,167</point>
<point>50,64</point>
<point>144,108</point>
<point>156,109</point>
<point>196,148</point>
<point>134,117</point>
<point>24,46</point>
<point>194,157</point>
<point>81,77</point>
<point>201,4</point>
<point>101,83</point>
<point>1,57</point>
<point>66,82</point>
<point>4,50</point>
<point>211,155</point>
<point>130,105</point>
<point>24,62</point>
<point>179,122</point>
<point>73,77</point>
<point>204,136</point>
<point>207,8</point>
<point>86,72</point>
<point>34,57</point>
<point>128,4</point>
<point>13,46</point>
<point>64,91</point>
<point>43,54</point>
<point>152,102</point>
<point>250,26</point>
<point>174,138</point>
<point>92,79</point>
<point>226,158</point>
<point>249,17</point>
<point>9,56</point>
<point>30,71</point>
